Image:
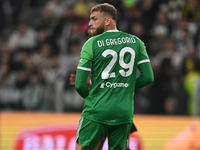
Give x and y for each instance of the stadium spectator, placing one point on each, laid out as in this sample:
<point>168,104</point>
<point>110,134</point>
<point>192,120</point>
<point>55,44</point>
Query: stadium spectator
<point>52,74</point>
<point>162,83</point>
<point>173,9</point>
<point>9,95</point>
<point>162,20</point>
<point>46,20</point>
<point>170,105</point>
<point>170,52</point>
<point>192,86</point>
<point>71,58</point>
<point>73,34</point>
<point>56,7</point>
<point>23,37</point>
<point>72,100</point>
<point>156,43</point>
<point>82,8</point>
<point>6,56</point>
<point>138,29</point>
<point>21,79</point>
<point>32,93</point>
<point>188,63</point>
<point>41,59</point>
<point>191,10</point>
<point>149,9</point>
<point>16,7</point>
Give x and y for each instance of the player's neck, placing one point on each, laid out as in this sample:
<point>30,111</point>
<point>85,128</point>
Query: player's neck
<point>111,27</point>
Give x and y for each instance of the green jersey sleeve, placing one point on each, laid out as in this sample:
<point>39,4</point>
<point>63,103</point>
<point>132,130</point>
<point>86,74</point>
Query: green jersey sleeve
<point>81,83</point>
<point>143,56</point>
<point>146,72</point>
<point>86,52</point>
<point>146,75</point>
<point>83,69</point>
<point>86,56</point>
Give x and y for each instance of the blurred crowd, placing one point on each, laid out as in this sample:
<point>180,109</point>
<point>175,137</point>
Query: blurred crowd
<point>41,40</point>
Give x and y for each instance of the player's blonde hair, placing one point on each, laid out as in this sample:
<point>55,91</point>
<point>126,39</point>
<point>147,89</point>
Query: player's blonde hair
<point>106,8</point>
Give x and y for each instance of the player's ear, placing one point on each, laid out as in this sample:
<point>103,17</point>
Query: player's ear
<point>108,20</point>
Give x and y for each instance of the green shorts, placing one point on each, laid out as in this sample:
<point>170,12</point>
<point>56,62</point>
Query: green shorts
<point>90,133</point>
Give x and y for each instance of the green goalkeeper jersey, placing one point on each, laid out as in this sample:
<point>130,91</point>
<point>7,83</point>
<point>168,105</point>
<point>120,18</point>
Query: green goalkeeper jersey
<point>112,58</point>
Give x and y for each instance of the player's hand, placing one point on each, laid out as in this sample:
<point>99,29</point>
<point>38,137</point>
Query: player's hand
<point>72,79</point>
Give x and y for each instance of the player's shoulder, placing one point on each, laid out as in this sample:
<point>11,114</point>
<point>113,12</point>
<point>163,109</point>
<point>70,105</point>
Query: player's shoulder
<point>89,40</point>
<point>87,44</point>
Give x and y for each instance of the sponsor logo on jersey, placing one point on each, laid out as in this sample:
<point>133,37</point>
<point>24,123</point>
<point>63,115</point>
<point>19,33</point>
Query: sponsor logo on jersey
<point>113,85</point>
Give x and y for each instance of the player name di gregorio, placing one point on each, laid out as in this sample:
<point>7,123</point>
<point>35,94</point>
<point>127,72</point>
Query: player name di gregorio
<point>118,41</point>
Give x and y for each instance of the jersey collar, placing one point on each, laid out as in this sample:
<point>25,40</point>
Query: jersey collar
<point>113,30</point>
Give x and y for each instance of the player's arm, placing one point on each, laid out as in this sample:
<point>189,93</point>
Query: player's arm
<point>83,69</point>
<point>81,82</point>
<point>146,75</point>
<point>73,78</point>
<point>146,72</point>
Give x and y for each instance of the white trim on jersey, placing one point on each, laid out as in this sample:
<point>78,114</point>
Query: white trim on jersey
<point>79,127</point>
<point>113,30</point>
<point>143,61</point>
<point>83,68</point>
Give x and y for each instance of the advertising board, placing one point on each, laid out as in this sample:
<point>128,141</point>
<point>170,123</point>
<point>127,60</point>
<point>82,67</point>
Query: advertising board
<point>56,131</point>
